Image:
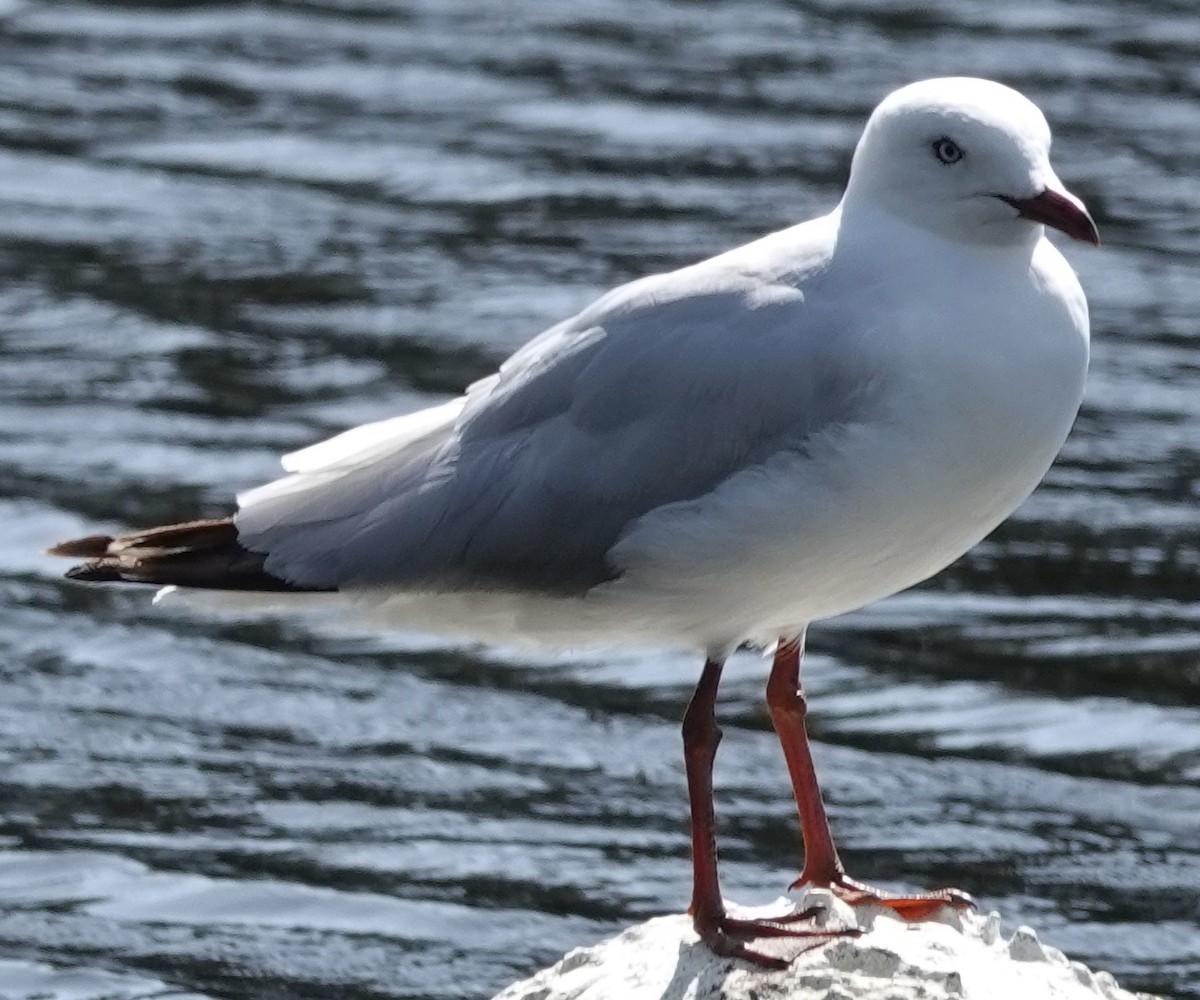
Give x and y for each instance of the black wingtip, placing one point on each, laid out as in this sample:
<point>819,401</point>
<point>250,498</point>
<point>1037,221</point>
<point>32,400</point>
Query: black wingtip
<point>202,555</point>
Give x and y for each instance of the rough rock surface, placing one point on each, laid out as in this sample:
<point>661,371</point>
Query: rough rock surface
<point>961,956</point>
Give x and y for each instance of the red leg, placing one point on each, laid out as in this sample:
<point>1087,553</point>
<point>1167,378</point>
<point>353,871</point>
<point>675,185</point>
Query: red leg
<point>716,928</point>
<point>822,866</point>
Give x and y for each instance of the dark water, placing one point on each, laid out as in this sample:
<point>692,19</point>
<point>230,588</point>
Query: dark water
<point>229,229</point>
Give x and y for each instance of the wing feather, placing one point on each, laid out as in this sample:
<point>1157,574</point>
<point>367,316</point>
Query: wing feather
<point>654,395</point>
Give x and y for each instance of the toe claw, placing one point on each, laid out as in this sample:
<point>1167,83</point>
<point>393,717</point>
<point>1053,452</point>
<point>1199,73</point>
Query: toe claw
<point>915,907</point>
<point>728,936</point>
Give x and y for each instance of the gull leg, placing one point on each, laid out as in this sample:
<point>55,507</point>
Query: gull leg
<point>723,934</point>
<point>822,866</point>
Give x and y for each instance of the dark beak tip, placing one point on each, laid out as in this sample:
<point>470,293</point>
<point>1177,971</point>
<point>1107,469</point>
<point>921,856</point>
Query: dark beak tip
<point>1088,233</point>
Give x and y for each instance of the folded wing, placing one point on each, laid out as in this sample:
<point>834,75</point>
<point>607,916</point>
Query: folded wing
<point>653,396</point>
<point>528,481</point>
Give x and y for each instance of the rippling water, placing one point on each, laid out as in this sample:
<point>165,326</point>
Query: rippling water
<point>229,229</point>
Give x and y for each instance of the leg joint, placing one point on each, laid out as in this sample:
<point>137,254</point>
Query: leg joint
<point>784,698</point>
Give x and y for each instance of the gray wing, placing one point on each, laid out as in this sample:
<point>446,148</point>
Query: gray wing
<point>643,400</point>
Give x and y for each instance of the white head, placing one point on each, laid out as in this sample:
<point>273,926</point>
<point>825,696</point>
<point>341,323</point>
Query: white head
<point>968,159</point>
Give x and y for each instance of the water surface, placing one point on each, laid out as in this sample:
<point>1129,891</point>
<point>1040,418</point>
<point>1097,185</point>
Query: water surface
<point>230,229</point>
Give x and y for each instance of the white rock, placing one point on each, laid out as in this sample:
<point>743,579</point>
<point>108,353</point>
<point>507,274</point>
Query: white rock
<point>962,956</point>
<point>1025,946</point>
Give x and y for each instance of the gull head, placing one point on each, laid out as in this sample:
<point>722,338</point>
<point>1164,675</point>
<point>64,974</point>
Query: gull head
<point>968,159</point>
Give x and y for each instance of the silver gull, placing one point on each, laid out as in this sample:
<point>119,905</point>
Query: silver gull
<point>717,455</point>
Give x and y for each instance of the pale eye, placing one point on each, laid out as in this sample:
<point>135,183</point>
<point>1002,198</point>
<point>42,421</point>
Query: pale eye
<point>947,150</point>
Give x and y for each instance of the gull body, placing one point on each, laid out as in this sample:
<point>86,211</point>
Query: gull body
<point>722,454</point>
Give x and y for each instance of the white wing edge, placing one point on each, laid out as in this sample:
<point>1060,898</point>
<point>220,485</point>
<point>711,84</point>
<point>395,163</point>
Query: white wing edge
<point>360,446</point>
<point>360,443</point>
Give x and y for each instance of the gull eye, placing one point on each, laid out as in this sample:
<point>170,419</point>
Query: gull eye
<point>947,150</point>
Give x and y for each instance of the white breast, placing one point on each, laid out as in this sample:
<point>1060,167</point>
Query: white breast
<point>968,420</point>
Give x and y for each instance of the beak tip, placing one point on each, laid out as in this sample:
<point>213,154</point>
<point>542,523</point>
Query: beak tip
<point>1089,233</point>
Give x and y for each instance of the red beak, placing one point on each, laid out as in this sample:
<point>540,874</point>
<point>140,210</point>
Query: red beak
<point>1059,211</point>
